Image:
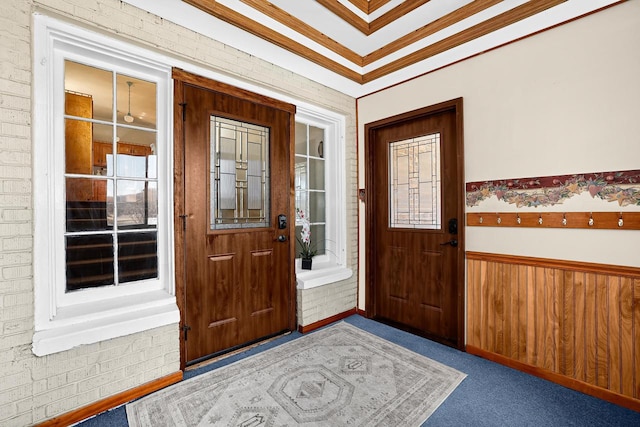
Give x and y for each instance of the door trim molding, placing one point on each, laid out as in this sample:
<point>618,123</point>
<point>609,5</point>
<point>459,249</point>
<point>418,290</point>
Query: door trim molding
<point>454,105</point>
<point>182,78</point>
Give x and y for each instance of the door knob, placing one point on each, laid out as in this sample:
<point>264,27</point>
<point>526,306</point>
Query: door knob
<point>282,238</point>
<point>452,242</point>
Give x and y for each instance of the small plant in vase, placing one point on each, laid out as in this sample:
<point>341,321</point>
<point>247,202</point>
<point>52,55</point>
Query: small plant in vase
<point>306,251</point>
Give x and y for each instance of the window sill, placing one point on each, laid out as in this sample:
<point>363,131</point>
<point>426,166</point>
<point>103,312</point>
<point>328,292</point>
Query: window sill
<point>322,274</point>
<point>143,312</point>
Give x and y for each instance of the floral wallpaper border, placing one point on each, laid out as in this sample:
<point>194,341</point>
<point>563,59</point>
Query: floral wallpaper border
<point>622,187</point>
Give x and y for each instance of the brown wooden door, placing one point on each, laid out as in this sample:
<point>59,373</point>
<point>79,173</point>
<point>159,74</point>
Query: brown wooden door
<point>238,264</point>
<point>415,191</point>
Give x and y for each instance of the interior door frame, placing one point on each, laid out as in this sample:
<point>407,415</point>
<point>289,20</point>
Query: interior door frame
<point>454,105</point>
<point>181,78</point>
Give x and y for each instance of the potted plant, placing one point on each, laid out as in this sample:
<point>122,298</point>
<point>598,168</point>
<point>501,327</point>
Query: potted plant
<point>306,251</point>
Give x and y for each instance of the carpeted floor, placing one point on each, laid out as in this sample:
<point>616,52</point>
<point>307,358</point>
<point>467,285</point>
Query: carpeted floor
<point>491,394</point>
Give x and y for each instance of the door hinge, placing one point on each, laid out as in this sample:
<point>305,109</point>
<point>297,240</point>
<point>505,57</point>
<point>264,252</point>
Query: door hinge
<point>184,111</point>
<point>184,222</point>
<point>186,330</point>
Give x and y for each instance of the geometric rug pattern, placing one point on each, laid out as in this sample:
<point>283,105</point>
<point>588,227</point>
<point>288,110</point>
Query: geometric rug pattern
<point>337,376</point>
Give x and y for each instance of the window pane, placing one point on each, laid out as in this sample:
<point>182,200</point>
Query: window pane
<point>152,203</point>
<point>89,261</point>
<point>137,259</point>
<point>316,141</point>
<point>78,147</point>
<point>102,146</point>
<point>239,174</point>
<point>92,83</point>
<point>316,174</point>
<point>316,207</point>
<point>130,166</point>
<point>84,211</point>
<point>131,203</point>
<point>136,101</point>
<point>318,238</point>
<point>301,139</point>
<point>301,174</point>
<point>137,142</point>
<point>414,187</point>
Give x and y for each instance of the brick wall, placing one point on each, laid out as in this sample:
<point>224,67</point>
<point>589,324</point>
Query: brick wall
<point>33,389</point>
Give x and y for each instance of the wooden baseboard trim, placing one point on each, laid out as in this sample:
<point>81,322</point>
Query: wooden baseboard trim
<point>325,322</point>
<point>362,313</point>
<point>112,402</point>
<point>601,393</point>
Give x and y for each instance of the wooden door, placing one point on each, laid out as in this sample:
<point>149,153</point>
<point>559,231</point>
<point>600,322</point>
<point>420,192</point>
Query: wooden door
<point>415,201</point>
<point>238,260</point>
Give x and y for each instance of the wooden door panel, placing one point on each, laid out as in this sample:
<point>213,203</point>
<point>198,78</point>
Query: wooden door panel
<point>431,279</point>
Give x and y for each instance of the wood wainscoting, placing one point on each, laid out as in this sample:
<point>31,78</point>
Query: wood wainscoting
<point>574,323</point>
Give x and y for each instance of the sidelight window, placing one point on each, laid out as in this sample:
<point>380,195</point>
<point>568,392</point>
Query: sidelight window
<point>320,194</point>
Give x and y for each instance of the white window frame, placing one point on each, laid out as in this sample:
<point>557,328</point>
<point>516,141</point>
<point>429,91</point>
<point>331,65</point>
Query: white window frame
<point>65,320</point>
<point>332,265</point>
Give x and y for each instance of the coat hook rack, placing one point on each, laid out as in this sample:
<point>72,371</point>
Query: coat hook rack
<point>586,220</point>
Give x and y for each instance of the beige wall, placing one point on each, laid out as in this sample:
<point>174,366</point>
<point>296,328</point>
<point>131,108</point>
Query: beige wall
<point>34,389</point>
<point>561,102</point>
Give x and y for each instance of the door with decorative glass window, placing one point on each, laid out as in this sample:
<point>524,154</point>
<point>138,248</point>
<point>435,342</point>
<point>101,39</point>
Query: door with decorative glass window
<point>236,222</point>
<point>414,201</point>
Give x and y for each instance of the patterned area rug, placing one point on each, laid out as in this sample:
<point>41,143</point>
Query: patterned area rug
<point>337,376</point>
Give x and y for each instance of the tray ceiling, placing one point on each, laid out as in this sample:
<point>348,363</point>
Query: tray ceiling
<point>359,46</point>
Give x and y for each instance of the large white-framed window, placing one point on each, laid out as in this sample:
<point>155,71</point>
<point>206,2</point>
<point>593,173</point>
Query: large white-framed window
<point>320,195</point>
<point>103,243</point>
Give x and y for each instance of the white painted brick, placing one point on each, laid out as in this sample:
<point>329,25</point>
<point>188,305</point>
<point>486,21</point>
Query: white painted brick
<point>124,384</point>
<point>16,286</point>
<point>10,215</point>
<point>95,382</point>
<point>14,102</point>
<point>14,340</point>
<point>19,272</point>
<point>39,386</point>
<point>80,374</point>
<point>6,412</point>
<point>15,312</point>
<point>15,158</point>
<point>15,394</point>
<point>120,362</point>
<point>17,327</point>
<point>15,243</point>
<point>61,393</point>
<point>14,258</point>
<point>56,381</point>
<point>25,405</point>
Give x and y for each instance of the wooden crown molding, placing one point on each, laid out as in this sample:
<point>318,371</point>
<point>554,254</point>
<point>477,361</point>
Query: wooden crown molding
<point>238,20</point>
<point>234,18</point>
<point>433,27</point>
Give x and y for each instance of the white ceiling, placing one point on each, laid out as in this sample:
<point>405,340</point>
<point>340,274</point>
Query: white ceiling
<point>361,46</point>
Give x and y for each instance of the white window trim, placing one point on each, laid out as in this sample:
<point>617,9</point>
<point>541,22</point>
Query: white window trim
<point>332,266</point>
<point>65,321</point>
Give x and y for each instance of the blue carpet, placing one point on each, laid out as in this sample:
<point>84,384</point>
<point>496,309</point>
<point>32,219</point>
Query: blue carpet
<point>491,395</point>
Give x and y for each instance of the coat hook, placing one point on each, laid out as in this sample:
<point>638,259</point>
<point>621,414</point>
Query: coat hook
<point>620,220</point>
<point>591,222</point>
<point>540,219</point>
<point>499,219</point>
<point>518,219</point>
<point>564,219</point>
<point>480,220</point>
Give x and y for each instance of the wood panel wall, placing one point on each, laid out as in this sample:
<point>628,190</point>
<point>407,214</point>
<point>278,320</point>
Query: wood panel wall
<point>574,323</point>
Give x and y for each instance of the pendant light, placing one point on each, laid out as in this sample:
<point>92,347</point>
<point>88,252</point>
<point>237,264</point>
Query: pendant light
<point>129,118</point>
